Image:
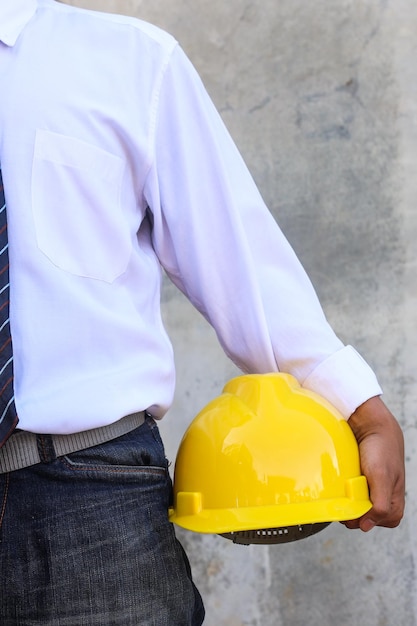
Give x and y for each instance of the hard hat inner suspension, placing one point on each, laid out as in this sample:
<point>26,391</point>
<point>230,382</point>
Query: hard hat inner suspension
<point>283,534</point>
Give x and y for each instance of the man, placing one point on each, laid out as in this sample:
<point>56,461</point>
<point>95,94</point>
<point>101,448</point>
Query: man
<point>115,162</point>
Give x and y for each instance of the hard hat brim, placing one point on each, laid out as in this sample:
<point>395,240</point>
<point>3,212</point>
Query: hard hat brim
<point>217,521</point>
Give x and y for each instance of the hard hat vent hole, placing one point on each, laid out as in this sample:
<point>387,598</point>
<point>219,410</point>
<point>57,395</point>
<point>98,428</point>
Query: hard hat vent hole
<point>283,534</point>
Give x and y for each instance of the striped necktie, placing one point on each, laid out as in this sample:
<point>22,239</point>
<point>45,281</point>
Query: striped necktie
<point>8,416</point>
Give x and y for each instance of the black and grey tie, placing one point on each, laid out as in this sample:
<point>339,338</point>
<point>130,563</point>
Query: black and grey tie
<point>8,416</point>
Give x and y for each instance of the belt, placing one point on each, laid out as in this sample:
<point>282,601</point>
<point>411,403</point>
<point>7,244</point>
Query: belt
<point>22,449</point>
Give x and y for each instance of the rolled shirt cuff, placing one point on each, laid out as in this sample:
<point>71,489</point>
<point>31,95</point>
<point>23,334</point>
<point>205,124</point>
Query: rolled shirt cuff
<point>345,380</point>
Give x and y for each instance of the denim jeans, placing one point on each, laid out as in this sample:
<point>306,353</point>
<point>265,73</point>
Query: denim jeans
<point>85,540</point>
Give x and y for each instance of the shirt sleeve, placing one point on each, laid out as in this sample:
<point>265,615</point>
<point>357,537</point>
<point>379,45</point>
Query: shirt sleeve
<point>221,246</point>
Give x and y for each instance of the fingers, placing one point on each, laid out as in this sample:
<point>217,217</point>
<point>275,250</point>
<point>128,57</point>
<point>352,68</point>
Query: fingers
<point>386,512</point>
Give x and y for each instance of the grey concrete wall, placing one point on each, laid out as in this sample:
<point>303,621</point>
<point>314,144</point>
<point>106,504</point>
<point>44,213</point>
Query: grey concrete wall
<point>321,98</point>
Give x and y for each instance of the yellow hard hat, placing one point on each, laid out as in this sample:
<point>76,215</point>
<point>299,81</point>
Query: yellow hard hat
<point>267,462</point>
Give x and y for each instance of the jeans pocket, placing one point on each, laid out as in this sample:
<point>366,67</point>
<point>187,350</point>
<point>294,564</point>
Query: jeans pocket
<point>140,451</point>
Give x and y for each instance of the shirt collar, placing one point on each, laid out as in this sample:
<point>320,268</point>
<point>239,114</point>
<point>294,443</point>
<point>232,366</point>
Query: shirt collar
<point>14,15</point>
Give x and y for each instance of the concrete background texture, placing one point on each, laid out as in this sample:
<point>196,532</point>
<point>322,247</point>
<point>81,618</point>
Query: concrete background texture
<point>321,99</point>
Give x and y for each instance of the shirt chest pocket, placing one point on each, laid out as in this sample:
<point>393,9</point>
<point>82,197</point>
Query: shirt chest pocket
<point>76,200</point>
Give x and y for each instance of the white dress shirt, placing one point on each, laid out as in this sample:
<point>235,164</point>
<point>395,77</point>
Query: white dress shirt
<point>115,163</point>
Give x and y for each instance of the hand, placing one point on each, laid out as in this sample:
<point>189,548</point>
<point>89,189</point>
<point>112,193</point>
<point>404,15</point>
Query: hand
<point>381,449</point>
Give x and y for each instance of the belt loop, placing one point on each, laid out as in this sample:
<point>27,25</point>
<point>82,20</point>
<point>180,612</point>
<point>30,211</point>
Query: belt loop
<point>45,448</point>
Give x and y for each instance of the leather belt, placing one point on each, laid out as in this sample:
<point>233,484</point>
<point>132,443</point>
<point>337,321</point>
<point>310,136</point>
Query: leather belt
<point>22,450</point>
